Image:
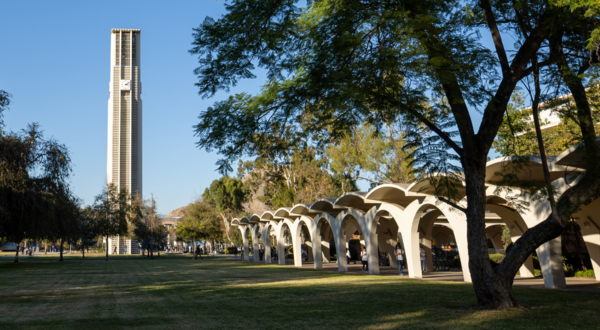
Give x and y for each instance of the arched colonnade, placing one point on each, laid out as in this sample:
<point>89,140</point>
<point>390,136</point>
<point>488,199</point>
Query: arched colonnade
<point>410,214</point>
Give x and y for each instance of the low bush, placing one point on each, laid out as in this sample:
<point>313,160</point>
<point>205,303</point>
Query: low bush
<point>586,273</point>
<point>496,259</point>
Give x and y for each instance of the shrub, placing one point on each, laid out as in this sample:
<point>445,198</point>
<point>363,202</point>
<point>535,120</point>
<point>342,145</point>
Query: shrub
<point>496,259</point>
<point>586,273</point>
<point>230,250</point>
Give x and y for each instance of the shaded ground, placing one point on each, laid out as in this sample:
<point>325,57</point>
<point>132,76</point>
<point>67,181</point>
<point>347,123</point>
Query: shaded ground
<point>218,293</point>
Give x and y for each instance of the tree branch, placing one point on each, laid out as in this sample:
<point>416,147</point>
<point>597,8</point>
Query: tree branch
<point>491,21</point>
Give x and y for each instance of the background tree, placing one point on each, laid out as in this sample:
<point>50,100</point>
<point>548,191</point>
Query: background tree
<point>111,208</point>
<point>334,65</point>
<point>147,228</point>
<point>301,177</point>
<point>199,222</point>
<point>375,156</point>
<point>226,196</point>
<point>87,234</point>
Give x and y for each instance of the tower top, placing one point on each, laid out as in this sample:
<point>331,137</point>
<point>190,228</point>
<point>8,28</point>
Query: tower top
<point>125,30</point>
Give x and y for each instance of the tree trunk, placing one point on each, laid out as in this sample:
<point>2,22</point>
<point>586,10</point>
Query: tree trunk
<point>195,255</point>
<point>61,249</point>
<point>106,250</point>
<point>152,248</point>
<point>490,289</point>
<point>82,249</point>
<point>17,254</point>
<point>45,246</point>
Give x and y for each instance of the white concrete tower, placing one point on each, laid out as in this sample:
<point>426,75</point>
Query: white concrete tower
<point>124,167</point>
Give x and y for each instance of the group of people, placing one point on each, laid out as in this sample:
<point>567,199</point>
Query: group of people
<point>399,253</point>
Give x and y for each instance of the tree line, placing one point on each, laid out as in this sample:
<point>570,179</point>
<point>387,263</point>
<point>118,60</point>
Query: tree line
<point>37,203</point>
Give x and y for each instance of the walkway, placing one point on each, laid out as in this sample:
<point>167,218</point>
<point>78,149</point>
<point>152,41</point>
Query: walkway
<point>573,283</point>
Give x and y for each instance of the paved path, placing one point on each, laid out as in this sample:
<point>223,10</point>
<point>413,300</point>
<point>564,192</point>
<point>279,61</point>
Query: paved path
<point>573,283</point>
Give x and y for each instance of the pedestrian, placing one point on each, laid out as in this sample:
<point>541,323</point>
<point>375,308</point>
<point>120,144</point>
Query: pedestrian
<point>423,260</point>
<point>365,259</point>
<point>348,256</point>
<point>261,253</point>
<point>398,252</point>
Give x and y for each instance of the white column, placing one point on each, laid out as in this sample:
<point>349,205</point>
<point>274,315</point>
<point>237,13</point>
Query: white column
<point>280,244</point>
<point>297,244</point>
<point>255,243</point>
<point>550,256</point>
<point>246,254</point>
<point>266,235</point>
<point>317,248</point>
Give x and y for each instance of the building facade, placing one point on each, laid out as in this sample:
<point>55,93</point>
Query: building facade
<point>124,165</point>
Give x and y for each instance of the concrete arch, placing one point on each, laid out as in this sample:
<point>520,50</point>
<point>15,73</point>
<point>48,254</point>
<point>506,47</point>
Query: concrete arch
<point>417,211</point>
<point>396,212</point>
<point>342,239</point>
<point>297,243</point>
<point>267,227</point>
<point>383,233</point>
<point>318,253</point>
<point>280,239</point>
<point>588,220</point>
<point>244,232</point>
<point>255,229</point>
<point>517,227</point>
<point>549,253</point>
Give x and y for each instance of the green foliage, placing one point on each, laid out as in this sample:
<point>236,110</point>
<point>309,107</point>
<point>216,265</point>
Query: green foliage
<point>496,259</point>
<point>300,178</point>
<point>226,196</point>
<point>378,157</point>
<point>111,210</point>
<point>199,222</point>
<point>516,136</point>
<point>585,273</point>
<point>506,238</point>
<point>590,8</point>
<point>145,226</point>
<point>35,199</point>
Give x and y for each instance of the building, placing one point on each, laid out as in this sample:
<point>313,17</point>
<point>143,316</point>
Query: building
<point>412,216</point>
<point>124,165</point>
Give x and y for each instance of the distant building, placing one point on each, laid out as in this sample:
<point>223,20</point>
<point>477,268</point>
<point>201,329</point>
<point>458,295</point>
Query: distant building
<point>124,166</point>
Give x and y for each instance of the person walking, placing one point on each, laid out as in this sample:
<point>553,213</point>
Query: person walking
<point>365,259</point>
<point>423,260</point>
<point>398,252</point>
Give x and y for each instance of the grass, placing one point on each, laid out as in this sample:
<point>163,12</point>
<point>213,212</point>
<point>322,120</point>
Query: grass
<point>215,293</point>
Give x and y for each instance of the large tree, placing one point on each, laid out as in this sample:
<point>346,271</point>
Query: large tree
<point>335,64</point>
<point>35,198</point>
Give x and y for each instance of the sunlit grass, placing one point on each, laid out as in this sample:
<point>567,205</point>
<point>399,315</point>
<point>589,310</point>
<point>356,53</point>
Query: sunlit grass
<point>178,292</point>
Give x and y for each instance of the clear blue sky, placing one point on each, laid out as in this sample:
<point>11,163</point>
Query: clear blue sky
<point>55,62</point>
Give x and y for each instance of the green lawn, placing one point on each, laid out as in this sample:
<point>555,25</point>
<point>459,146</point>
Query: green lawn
<point>177,292</point>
